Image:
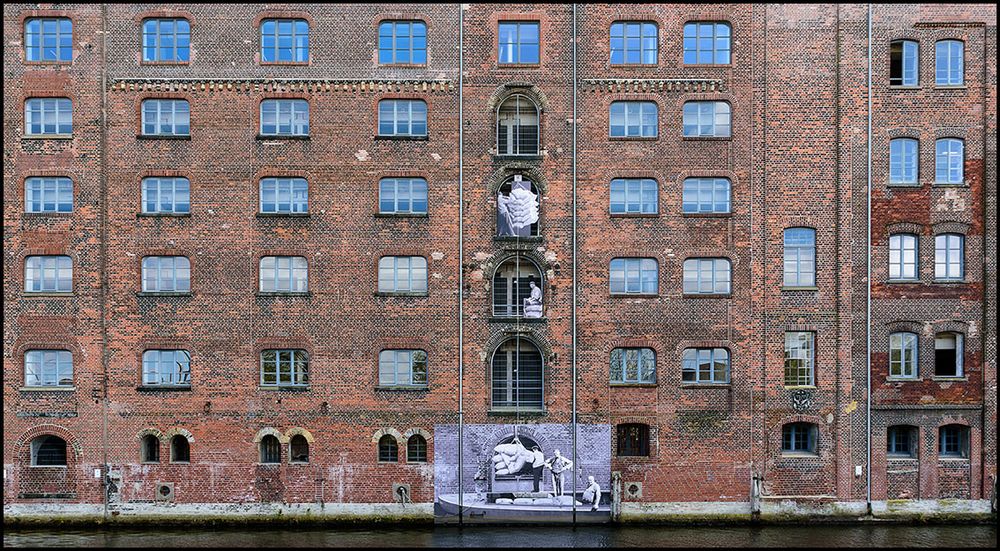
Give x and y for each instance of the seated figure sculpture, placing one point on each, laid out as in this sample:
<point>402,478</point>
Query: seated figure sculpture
<point>533,304</point>
<point>511,458</point>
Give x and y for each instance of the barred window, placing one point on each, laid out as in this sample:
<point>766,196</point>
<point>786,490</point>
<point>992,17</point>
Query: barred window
<point>518,42</point>
<point>633,440</point>
<point>402,368</point>
<point>48,451</point>
<point>705,365</point>
<point>149,451</point>
<point>903,355</point>
<point>270,449</point>
<point>402,196</point>
<point>166,40</point>
<point>166,195</point>
<point>954,441</point>
<point>949,257</point>
<point>901,441</point>
<point>707,276</point>
<point>800,257</point>
<point>397,117</point>
<point>949,161</point>
<point>48,195</point>
<point>416,449</point>
<point>284,195</point>
<point>166,274</point>
<point>706,195</point>
<point>634,119</point>
<point>517,126</point>
<point>48,39</point>
<point>707,119</point>
<point>402,274</point>
<point>903,256</point>
<point>949,62</point>
<point>634,196</point>
<point>904,161</point>
<point>402,42</point>
<point>518,379</point>
<point>287,274</point>
<point>48,116</point>
<point>707,43</point>
<point>284,41</point>
<point>904,64</point>
<point>284,117</point>
<point>166,117</point>
<point>633,365</point>
<point>388,449</point>
<point>633,43</point>
<point>180,449</point>
<point>48,274</point>
<point>166,368</point>
<point>638,276</point>
<point>799,438</point>
<point>284,368</point>
<point>800,358</point>
<point>298,449</point>
<point>48,368</point>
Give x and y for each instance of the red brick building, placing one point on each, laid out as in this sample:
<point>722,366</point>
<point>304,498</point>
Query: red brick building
<point>269,250</point>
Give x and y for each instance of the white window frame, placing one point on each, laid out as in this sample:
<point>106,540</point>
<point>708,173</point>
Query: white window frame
<point>402,272</point>
<point>288,116</point>
<point>395,367</point>
<point>176,117</point>
<point>178,374</point>
<point>283,274</point>
<point>58,363</point>
<point>40,191</point>
<point>160,274</point>
<point>56,113</point>
<point>708,276</point>
<point>52,272</point>
<point>719,115</point>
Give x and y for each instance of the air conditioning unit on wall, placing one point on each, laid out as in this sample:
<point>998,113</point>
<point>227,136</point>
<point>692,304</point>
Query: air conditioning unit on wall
<point>165,492</point>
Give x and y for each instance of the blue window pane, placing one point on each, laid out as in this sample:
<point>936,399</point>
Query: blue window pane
<point>529,53</point>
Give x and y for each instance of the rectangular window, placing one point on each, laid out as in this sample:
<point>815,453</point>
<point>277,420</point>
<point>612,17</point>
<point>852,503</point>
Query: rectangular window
<point>402,368</point>
<point>634,119</point>
<point>166,117</point>
<point>633,365</point>
<point>949,257</point>
<point>518,42</point>
<point>166,368</point>
<point>798,438</point>
<point>402,42</point>
<point>954,441</point>
<point>707,119</point>
<point>166,40</point>
<point>634,276</point>
<point>800,358</point>
<point>633,196</point>
<point>284,274</point>
<point>904,162</point>
<point>903,355</point>
<point>48,368</point>
<point>402,196</point>
<point>284,41</point>
<point>706,195</point>
<point>707,43</point>
<point>901,441</point>
<point>707,276</point>
<point>166,196</point>
<point>48,39</point>
<point>903,63</point>
<point>633,43</point>
<point>949,67</point>
<point>800,257</point>
<point>705,365</point>
<point>948,354</point>
<point>284,117</point>
<point>166,274</point>
<point>949,162</point>
<point>48,195</point>
<point>402,274</point>
<point>48,116</point>
<point>284,368</point>
<point>48,274</point>
<point>902,257</point>
<point>633,440</point>
<point>284,195</point>
<point>402,118</point>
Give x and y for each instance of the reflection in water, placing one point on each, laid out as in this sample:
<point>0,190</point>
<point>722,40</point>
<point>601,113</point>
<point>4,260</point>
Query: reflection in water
<point>831,535</point>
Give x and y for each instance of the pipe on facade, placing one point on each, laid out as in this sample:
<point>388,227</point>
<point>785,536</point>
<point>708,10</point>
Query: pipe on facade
<point>461,259</point>
<point>105,476</point>
<point>868,286</point>
<point>573,305</point>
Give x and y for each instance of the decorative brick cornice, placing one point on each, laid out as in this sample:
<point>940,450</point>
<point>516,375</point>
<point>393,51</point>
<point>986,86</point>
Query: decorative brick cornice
<point>687,85</point>
<point>268,85</point>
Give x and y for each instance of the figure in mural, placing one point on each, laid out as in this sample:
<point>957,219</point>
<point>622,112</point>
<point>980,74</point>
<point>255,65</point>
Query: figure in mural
<point>511,458</point>
<point>533,304</point>
<point>558,465</point>
<point>593,493</point>
<point>518,211</point>
<point>536,467</point>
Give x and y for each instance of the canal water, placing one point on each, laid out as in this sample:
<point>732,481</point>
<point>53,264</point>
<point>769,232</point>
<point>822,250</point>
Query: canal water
<point>814,535</point>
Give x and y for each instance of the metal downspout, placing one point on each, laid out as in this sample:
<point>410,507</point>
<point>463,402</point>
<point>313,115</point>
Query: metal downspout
<point>868,309</point>
<point>573,305</point>
<point>103,256</point>
<point>461,259</point>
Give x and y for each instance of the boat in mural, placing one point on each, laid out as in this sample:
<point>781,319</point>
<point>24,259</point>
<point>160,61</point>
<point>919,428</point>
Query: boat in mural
<point>501,508</point>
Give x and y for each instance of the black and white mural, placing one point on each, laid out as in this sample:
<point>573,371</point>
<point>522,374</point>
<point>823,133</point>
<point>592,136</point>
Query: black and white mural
<point>523,473</point>
<point>517,208</point>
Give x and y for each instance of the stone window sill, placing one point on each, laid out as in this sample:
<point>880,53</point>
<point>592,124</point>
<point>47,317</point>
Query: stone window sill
<point>47,389</point>
<point>519,65</point>
<point>298,462</point>
<point>800,387</point>
<point>707,295</point>
<point>634,215</point>
<point>803,288</point>
<point>904,87</point>
<point>705,386</point>
<point>949,281</point>
<point>634,138</point>
<point>282,294</point>
<point>47,137</point>
<point>283,215</point>
<point>166,388</point>
<point>900,457</point>
<point>503,412</point>
<point>162,137</point>
<point>274,388</point>
<point>163,215</point>
<point>950,87</point>
<point>162,294</point>
<point>954,459</point>
<point>418,215</point>
<point>400,294</point>
<point>634,295</point>
<point>289,63</point>
<point>903,281</point>
<point>516,319</point>
<point>948,379</point>
<point>707,214</point>
<point>26,294</point>
<point>632,385</point>
<point>904,379</point>
<point>404,65</point>
<point>403,138</point>
<point>799,455</point>
<point>707,138</point>
<point>270,137</point>
<point>959,185</point>
<point>904,185</point>
<point>180,462</point>
<point>164,63</point>
<point>48,214</point>
<point>514,239</point>
<point>403,388</point>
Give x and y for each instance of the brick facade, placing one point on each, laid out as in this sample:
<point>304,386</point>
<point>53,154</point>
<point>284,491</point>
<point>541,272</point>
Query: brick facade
<point>797,157</point>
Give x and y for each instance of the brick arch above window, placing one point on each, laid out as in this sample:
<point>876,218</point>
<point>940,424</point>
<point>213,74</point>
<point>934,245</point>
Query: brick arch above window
<point>895,133</point>
<point>295,431</point>
<point>529,90</point>
<point>513,331</point>
<point>950,326</point>
<point>960,228</point>
<point>509,169</point>
<point>418,432</point>
<point>914,228</point>
<point>163,14</point>
<point>270,431</point>
<point>23,442</point>
<point>281,14</point>
<point>901,326</point>
<point>703,343</point>
<point>149,431</point>
<point>170,434</point>
<point>387,431</point>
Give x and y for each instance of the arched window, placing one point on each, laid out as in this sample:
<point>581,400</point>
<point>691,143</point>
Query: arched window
<point>904,67</point>
<point>949,63</point>
<point>901,442</point>
<point>48,451</point>
<point>416,449</point>
<point>903,355</point>
<point>180,449</point>
<point>633,440</point>
<point>388,449</point>
<point>517,126</point>
<point>518,376</point>
<point>150,450</point>
<point>953,442</point>
<point>517,208</point>
<point>298,449</point>
<point>517,289</point>
<point>904,161</point>
<point>270,449</point>
<point>949,161</point>
<point>798,438</point>
<point>903,256</point>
